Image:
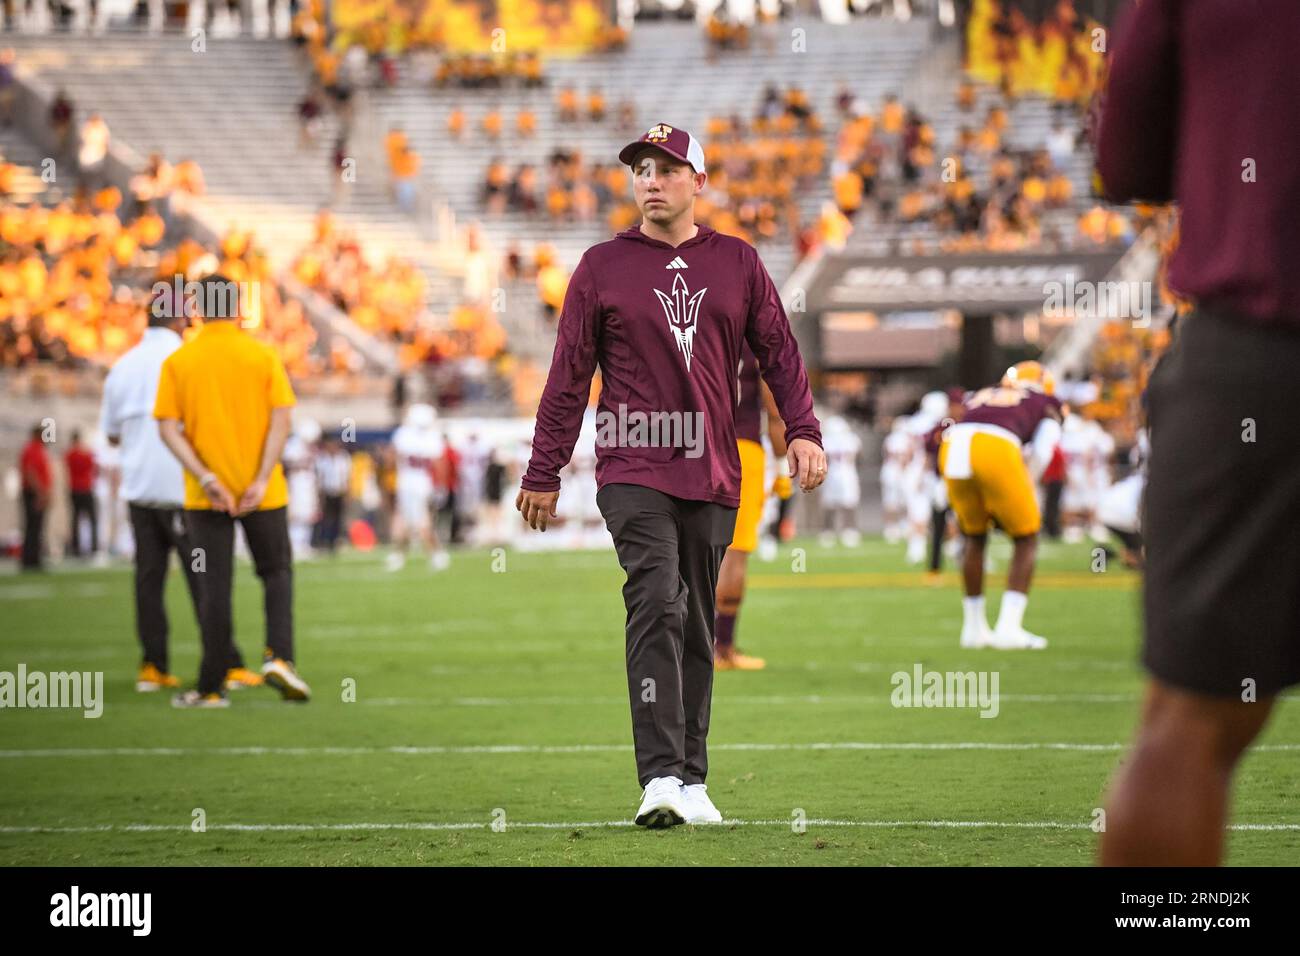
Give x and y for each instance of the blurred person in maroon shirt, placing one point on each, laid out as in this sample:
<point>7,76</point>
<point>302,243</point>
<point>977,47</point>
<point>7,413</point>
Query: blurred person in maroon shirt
<point>81,490</point>
<point>1200,109</point>
<point>37,481</point>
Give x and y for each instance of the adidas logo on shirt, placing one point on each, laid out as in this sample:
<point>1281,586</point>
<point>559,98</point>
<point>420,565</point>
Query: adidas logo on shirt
<point>677,263</point>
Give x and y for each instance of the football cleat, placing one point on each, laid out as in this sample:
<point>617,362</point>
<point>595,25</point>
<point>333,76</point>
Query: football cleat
<point>280,674</point>
<point>151,679</point>
<point>662,804</point>
<point>192,699</point>
<point>699,808</point>
<point>732,659</point>
<point>240,677</point>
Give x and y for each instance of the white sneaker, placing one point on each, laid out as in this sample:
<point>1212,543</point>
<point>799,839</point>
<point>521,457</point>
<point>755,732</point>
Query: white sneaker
<point>979,636</point>
<point>662,805</point>
<point>395,561</point>
<point>699,808</point>
<point>850,537</point>
<point>768,549</point>
<point>440,561</point>
<point>1017,640</point>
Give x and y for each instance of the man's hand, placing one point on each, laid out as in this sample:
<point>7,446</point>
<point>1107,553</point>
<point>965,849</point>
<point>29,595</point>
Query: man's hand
<point>807,463</point>
<point>219,495</point>
<point>252,496</point>
<point>537,507</point>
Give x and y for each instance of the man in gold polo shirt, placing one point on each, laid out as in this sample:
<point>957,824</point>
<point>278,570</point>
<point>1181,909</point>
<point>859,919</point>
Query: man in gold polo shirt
<point>223,408</point>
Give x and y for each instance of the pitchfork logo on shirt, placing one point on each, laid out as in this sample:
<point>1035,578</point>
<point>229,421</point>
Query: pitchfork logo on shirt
<point>682,309</point>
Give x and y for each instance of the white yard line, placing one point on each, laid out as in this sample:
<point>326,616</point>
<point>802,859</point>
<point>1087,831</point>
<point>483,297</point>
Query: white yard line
<point>595,824</point>
<point>774,700</point>
<point>568,748</point>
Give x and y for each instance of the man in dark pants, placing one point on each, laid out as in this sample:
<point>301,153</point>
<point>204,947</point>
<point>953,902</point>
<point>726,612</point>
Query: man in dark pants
<point>223,406</point>
<point>158,531</point>
<point>153,485</point>
<point>333,472</point>
<point>1200,108</point>
<point>663,309</point>
<point>37,483</point>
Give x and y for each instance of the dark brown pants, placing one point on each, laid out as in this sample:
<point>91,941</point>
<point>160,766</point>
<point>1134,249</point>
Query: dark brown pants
<point>670,549</point>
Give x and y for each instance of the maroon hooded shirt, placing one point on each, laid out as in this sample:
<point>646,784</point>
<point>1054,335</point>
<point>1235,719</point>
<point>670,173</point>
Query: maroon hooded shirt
<point>666,325</point>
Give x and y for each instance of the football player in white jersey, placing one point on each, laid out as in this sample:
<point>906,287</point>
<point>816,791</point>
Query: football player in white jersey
<point>1120,510</point>
<point>299,460</point>
<point>581,525</point>
<point>418,446</point>
<point>1076,502</point>
<point>919,478</point>
<point>896,450</point>
<point>1100,479</point>
<point>842,491</point>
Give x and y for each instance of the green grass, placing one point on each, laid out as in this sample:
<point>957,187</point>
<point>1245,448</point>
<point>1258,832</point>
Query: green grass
<point>533,657</point>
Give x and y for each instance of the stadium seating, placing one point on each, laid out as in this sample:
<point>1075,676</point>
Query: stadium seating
<point>1029,122</point>
<point>235,106</point>
<point>871,58</point>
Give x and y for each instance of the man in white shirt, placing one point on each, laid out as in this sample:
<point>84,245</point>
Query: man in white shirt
<point>419,447</point>
<point>842,492</point>
<point>152,484</point>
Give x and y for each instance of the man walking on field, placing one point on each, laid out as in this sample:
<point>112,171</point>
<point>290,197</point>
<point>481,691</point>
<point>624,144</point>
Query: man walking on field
<point>664,309</point>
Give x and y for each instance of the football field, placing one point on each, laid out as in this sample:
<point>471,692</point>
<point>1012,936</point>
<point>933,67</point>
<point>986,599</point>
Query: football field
<point>480,716</point>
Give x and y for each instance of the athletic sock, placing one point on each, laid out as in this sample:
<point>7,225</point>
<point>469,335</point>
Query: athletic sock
<point>1013,610</point>
<point>972,610</point>
<point>938,524</point>
<point>724,630</point>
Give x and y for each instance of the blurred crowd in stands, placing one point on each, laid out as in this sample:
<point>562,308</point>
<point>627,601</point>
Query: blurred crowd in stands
<point>976,192</point>
<point>1059,57</point>
<point>462,355</point>
<point>757,167</point>
<point>383,36</point>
